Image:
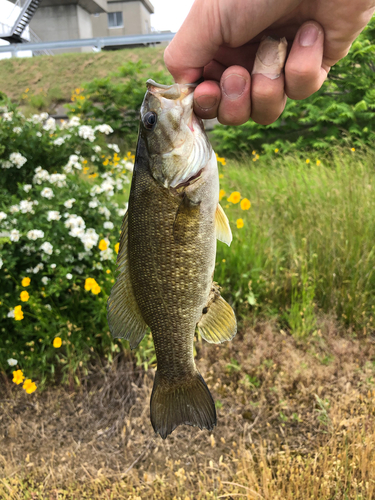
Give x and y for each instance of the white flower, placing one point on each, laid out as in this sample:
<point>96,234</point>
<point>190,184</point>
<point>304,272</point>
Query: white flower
<point>40,175</point>
<point>69,276</point>
<point>69,203</point>
<point>14,208</point>
<point>73,122</point>
<point>77,232</point>
<point>108,224</point>
<point>34,234</point>
<point>48,306</point>
<point>47,193</point>
<point>11,314</point>
<point>72,163</point>
<point>3,216</point>
<point>39,134</point>
<point>97,149</point>
<point>122,211</point>
<point>17,159</point>
<point>27,249</point>
<point>104,129</point>
<point>93,203</point>
<point>6,164</point>
<point>104,210</point>
<point>1,262</point>
<point>59,141</point>
<point>53,266</point>
<point>26,207</point>
<point>90,239</point>
<point>47,248</point>
<point>50,125</point>
<point>58,179</point>
<point>129,166</point>
<point>86,132</point>
<point>106,254</point>
<point>114,147</point>
<point>8,117</point>
<point>38,268</point>
<point>17,130</point>
<point>14,235</point>
<point>12,361</point>
<point>95,190</point>
<point>27,187</point>
<point>38,118</point>
<point>53,215</point>
<point>45,280</point>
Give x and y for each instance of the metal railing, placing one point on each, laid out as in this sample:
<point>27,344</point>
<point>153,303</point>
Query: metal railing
<point>99,43</point>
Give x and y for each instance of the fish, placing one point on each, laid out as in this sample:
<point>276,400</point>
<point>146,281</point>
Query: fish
<point>166,257</point>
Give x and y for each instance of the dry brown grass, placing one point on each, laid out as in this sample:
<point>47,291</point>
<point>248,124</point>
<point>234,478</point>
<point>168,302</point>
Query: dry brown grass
<point>296,421</point>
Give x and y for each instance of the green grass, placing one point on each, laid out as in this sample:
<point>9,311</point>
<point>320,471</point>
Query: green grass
<point>308,239</point>
<point>50,80</point>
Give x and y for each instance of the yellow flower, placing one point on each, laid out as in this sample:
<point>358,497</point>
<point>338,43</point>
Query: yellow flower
<point>253,152</point>
<point>92,176</point>
<point>307,160</point>
<point>29,386</point>
<point>117,246</point>
<point>105,163</point>
<point>318,162</point>
<point>276,150</point>
<point>57,342</point>
<point>18,377</point>
<point>103,245</point>
<point>221,176</point>
<point>234,197</point>
<point>18,313</point>
<point>108,271</point>
<point>26,282</point>
<point>239,223</point>
<point>224,260</point>
<point>245,204</point>
<point>89,283</point>
<point>221,194</point>
<point>24,296</point>
<point>353,149</point>
<point>96,289</point>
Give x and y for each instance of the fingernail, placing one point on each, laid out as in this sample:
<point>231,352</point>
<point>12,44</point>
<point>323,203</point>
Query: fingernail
<point>206,101</point>
<point>234,86</point>
<point>270,58</point>
<point>308,35</point>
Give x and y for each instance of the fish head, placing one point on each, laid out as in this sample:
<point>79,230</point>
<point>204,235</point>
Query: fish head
<point>176,142</point>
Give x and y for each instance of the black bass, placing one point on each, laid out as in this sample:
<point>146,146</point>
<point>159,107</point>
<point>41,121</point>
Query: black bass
<point>167,254</point>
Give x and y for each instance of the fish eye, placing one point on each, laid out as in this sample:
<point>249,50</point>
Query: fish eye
<point>150,119</point>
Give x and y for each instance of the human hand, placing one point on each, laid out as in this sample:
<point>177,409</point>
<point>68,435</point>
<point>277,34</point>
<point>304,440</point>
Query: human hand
<point>220,38</point>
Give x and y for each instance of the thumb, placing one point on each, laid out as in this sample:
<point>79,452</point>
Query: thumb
<point>211,24</point>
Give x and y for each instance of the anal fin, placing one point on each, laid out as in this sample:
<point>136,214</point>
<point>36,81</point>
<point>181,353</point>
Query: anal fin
<point>123,314</point>
<point>218,322</point>
<point>223,231</point>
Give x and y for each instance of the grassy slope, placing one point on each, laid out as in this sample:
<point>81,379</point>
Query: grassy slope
<point>51,79</point>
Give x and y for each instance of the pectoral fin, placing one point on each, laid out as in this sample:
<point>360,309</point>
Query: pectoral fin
<point>218,322</point>
<point>123,314</point>
<point>223,231</point>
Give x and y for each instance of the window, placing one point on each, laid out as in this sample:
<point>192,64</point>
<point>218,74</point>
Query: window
<point>115,20</point>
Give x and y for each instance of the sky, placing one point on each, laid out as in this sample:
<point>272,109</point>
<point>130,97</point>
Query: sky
<point>169,14</point>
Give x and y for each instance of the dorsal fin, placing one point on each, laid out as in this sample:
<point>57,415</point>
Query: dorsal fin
<point>123,314</point>
<point>218,322</point>
<point>223,231</point>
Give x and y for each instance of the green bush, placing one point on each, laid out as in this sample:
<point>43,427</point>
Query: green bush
<point>341,112</point>
<point>62,200</point>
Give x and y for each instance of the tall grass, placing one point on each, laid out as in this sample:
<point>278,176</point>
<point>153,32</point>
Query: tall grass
<point>308,239</point>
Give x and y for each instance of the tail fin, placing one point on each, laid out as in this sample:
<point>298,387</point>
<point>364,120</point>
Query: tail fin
<point>187,403</point>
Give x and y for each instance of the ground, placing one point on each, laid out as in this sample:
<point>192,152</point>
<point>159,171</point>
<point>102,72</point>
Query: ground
<point>295,420</point>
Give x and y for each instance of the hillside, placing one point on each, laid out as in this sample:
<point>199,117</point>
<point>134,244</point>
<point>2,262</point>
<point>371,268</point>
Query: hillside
<point>42,83</point>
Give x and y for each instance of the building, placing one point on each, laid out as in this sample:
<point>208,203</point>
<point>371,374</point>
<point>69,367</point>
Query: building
<point>126,17</point>
<point>75,19</point>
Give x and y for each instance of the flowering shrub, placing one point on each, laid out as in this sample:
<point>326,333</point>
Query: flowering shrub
<point>62,200</point>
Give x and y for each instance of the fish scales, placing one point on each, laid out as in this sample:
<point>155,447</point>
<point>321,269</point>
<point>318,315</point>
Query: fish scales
<point>171,270</point>
<point>167,253</point>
